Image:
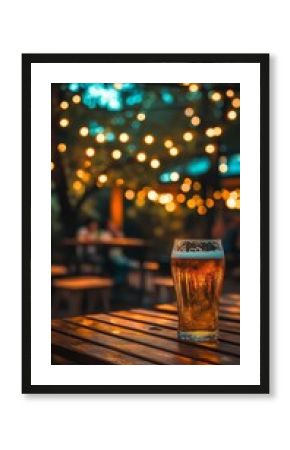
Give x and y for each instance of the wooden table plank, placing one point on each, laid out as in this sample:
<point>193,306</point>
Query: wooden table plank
<point>83,352</point>
<point>174,346</point>
<point>153,355</point>
<point>171,323</point>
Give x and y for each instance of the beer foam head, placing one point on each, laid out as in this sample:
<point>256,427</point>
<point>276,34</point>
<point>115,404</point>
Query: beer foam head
<point>197,249</point>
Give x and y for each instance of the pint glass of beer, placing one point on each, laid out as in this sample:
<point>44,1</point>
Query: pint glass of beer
<point>198,271</point>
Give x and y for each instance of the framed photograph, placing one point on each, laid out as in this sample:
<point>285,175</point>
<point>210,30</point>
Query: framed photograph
<point>145,223</point>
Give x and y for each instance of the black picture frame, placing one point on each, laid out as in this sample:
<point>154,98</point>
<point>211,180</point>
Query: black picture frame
<point>263,61</point>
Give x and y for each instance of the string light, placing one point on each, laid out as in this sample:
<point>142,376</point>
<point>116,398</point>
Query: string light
<point>141,156</point>
<point>103,178</point>
<point>118,86</point>
<point>76,99</point>
<point>119,182</point>
<point>209,148</point>
<point>78,186</point>
<point>152,195</point>
<point>170,207</point>
<point>64,122</point>
<point>236,102</point>
<point>61,147</point>
<point>217,195</point>
<point>124,137</point>
<point>90,152</point>
<point>195,121</point>
<point>173,151</point>
<point>217,131</point>
<point>155,163</point>
<point>210,132</point>
<point>191,203</point>
<point>174,176</point>
<point>129,194</point>
<point>223,168</point>
<point>196,186</point>
<point>64,105</point>
<point>100,138</point>
<point>230,93</point>
<point>165,198</point>
<point>116,154</point>
<point>193,87</point>
<point>209,202</point>
<point>216,96</point>
<point>180,198</point>
<point>232,115</point>
<point>201,210</point>
<point>185,187</point>
<point>189,112</point>
<point>84,131</point>
<point>188,136</point>
<point>141,117</point>
<point>87,163</point>
<point>168,143</point>
<point>149,139</point>
<point>231,203</point>
<point>187,180</point>
<point>52,166</point>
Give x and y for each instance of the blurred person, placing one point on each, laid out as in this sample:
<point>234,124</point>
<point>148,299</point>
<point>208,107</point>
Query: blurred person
<point>89,232</point>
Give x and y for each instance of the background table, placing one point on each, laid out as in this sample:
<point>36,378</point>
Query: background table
<point>143,336</point>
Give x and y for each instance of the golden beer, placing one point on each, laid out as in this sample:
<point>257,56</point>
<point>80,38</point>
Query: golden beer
<point>198,271</point>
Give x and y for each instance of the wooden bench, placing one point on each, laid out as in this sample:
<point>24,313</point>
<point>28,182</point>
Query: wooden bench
<point>58,270</point>
<point>82,285</point>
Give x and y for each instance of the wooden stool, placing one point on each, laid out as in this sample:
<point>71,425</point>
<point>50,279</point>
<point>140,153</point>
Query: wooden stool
<point>163,286</point>
<point>58,270</point>
<point>83,285</point>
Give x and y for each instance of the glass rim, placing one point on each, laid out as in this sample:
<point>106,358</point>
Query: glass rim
<point>197,240</point>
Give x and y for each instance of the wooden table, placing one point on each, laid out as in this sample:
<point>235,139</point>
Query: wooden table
<point>142,336</point>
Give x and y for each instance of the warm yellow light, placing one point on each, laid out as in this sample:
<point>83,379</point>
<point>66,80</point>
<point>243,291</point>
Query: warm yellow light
<point>87,163</point>
<point>80,173</point>
<point>52,165</point>
<point>191,203</point>
<point>195,121</point>
<point>129,194</point>
<point>193,87</point>
<point>152,195</point>
<point>76,99</point>
<point>119,182</point>
<point>155,163</point>
<point>174,176</point>
<point>116,154</point>
<point>217,195</point>
<point>64,122</point>
<point>238,204</point>
<point>149,139</point>
<point>173,151</point>
<point>231,203</point>
<point>64,105</point>
<point>103,178</point>
<point>236,102</point>
<point>232,115</point>
<point>180,198</point>
<point>223,168</point>
<point>188,136</point>
<point>210,132</point>
<point>124,137</point>
<point>170,207</point>
<point>141,117</point>
<point>209,148</point>
<point>77,186</point>
<point>216,96</point>
<point>61,147</point>
<point>168,143</point>
<point>84,131</point>
<point>185,187</point>
<point>141,156</point>
<point>234,194</point>
<point>118,85</point>
<point>187,180</point>
<point>196,186</point>
<point>217,131</point>
<point>140,202</point>
<point>100,138</point>
<point>90,152</point>
<point>189,112</point>
<point>209,202</point>
<point>165,198</point>
<point>230,93</point>
<point>201,210</point>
